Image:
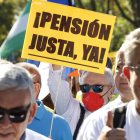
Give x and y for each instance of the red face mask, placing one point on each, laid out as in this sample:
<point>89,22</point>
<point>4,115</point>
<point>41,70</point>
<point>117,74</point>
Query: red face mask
<point>93,101</point>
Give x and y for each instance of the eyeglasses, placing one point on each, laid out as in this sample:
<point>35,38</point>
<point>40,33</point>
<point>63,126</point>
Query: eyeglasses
<point>136,68</point>
<point>96,88</point>
<point>15,115</point>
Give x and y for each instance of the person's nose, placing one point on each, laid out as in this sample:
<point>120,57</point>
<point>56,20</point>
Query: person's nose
<point>5,122</point>
<point>91,90</point>
<point>122,75</point>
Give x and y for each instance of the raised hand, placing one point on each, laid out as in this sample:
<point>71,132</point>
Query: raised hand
<point>110,133</point>
<point>49,137</point>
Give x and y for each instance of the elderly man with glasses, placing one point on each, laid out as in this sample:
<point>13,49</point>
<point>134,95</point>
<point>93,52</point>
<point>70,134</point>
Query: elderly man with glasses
<point>43,118</point>
<point>17,104</point>
<point>97,90</point>
<point>125,121</point>
<point>131,128</point>
<point>92,125</point>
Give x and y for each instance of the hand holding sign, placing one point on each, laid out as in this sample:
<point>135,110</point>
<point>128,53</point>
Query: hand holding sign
<point>49,137</point>
<point>109,133</point>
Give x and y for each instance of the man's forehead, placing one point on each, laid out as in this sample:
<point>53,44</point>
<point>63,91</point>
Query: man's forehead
<point>92,75</point>
<point>120,57</point>
<point>14,98</point>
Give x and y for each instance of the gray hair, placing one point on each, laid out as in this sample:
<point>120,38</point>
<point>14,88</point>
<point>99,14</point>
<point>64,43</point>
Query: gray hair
<point>133,35</point>
<point>108,74</point>
<point>12,76</point>
<point>129,52</point>
<point>131,42</point>
<point>33,70</point>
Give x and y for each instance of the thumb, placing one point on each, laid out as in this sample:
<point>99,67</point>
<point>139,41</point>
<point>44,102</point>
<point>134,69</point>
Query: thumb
<point>109,121</point>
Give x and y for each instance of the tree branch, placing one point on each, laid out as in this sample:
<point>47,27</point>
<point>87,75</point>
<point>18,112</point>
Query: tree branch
<point>103,9</point>
<point>123,14</point>
<point>133,8</point>
<point>80,4</point>
<point>108,6</point>
<point>93,5</point>
<point>138,7</point>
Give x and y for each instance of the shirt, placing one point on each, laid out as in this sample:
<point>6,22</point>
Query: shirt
<point>42,124</point>
<point>31,135</point>
<point>95,115</point>
<point>23,136</point>
<point>66,106</point>
<point>131,127</point>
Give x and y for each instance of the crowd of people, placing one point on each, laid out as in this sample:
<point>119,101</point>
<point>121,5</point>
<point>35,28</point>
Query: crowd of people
<point>24,117</point>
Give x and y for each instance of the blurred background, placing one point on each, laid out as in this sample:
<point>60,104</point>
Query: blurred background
<point>14,13</point>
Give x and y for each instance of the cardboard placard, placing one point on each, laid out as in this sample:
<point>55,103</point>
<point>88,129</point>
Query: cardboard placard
<point>68,36</point>
<point>112,56</point>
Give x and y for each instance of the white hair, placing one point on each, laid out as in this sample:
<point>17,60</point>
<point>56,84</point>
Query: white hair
<point>134,35</point>
<point>131,42</point>
<point>108,74</point>
<point>12,76</point>
<point>129,52</point>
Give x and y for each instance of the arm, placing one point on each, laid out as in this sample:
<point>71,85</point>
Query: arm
<point>65,101</point>
<point>56,67</point>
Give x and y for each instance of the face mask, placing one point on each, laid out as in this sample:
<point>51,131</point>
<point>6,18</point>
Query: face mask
<point>93,101</point>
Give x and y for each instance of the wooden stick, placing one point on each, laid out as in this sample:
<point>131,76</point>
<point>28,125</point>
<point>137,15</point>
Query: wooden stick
<point>56,100</point>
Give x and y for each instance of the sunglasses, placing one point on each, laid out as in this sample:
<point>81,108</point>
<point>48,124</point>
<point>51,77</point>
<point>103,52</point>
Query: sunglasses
<point>136,68</point>
<point>96,88</point>
<point>15,115</point>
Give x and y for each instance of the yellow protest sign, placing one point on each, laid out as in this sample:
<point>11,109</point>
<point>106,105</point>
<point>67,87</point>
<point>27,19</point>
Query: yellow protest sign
<point>112,56</point>
<point>68,36</point>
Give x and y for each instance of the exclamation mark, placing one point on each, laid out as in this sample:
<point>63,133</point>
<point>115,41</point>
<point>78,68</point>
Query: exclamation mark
<point>102,55</point>
<point>36,20</point>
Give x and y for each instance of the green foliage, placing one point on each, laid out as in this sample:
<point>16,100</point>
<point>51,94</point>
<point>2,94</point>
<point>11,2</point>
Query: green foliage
<point>19,5</point>
<point>121,29</point>
<point>9,10</point>
<point>6,19</point>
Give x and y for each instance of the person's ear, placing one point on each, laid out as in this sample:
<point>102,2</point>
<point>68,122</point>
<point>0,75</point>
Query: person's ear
<point>36,89</point>
<point>32,112</point>
<point>126,72</point>
<point>111,91</point>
